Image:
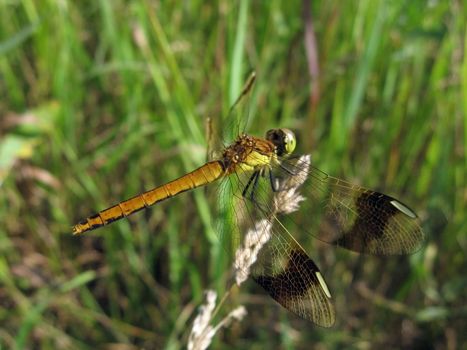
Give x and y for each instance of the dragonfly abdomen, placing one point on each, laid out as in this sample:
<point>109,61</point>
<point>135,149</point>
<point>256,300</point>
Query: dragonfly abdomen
<point>207,173</point>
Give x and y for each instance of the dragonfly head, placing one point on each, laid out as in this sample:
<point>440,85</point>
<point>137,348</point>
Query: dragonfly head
<point>283,139</point>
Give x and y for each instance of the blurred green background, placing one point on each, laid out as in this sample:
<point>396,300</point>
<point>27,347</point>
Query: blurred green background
<point>101,100</point>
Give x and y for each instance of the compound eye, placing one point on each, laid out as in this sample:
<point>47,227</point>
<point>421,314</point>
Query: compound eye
<point>272,135</point>
<point>289,141</point>
<point>235,158</point>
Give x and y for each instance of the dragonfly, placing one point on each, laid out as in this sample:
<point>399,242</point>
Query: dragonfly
<point>264,192</point>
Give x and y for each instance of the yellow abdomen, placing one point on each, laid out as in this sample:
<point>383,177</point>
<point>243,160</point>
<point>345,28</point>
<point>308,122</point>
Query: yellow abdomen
<point>208,173</point>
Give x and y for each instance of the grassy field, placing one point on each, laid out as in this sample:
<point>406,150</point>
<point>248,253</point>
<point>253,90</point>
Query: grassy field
<point>102,100</point>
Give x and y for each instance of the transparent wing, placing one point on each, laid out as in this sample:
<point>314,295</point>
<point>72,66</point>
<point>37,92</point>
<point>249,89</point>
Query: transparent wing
<point>348,215</point>
<point>236,121</point>
<point>251,231</point>
<point>222,132</point>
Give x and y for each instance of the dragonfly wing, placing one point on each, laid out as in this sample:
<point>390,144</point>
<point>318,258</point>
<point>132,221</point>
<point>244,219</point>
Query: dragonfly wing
<point>351,216</point>
<point>251,231</point>
<point>237,119</point>
<point>288,274</point>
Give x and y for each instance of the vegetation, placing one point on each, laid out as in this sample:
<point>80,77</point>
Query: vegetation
<point>102,100</point>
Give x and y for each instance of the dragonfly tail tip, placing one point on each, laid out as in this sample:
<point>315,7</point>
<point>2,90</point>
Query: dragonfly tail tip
<point>76,231</point>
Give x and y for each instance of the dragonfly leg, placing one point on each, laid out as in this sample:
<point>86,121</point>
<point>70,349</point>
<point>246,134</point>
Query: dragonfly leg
<point>255,185</point>
<point>277,182</point>
<point>252,185</point>
<point>273,181</point>
<point>253,179</point>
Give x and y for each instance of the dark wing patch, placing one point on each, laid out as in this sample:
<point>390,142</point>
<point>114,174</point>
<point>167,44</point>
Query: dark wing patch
<point>351,216</point>
<point>300,288</point>
<point>373,213</point>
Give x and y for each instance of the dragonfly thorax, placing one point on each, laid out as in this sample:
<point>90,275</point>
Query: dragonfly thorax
<point>247,153</point>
